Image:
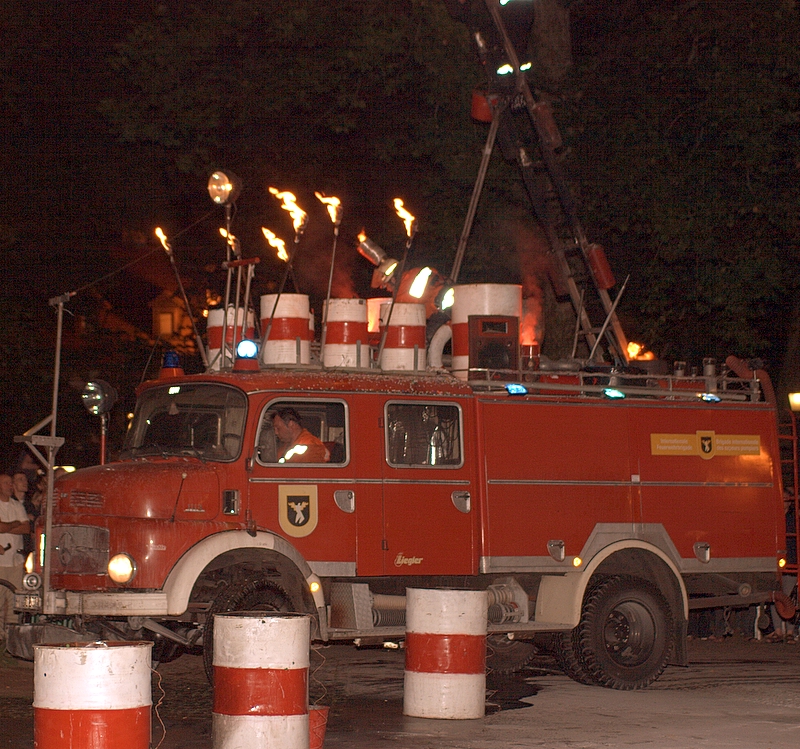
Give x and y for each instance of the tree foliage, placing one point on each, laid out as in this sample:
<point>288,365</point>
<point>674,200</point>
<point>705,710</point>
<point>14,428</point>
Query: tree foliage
<point>278,79</point>
<point>687,146</point>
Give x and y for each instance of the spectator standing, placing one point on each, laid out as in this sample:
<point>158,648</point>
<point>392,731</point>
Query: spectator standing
<point>14,524</point>
<point>23,492</point>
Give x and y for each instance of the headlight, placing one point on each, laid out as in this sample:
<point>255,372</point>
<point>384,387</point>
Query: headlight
<point>31,581</point>
<point>121,568</point>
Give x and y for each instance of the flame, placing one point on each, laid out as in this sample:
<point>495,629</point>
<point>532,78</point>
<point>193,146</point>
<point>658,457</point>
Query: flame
<point>408,219</point>
<point>228,235</point>
<point>334,206</point>
<point>636,351</point>
<point>362,236</point>
<point>162,238</point>
<point>277,243</point>
<point>299,216</point>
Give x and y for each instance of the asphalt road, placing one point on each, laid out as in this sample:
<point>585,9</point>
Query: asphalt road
<point>735,694</point>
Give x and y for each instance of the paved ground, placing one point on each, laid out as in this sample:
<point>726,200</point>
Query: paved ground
<point>736,694</point>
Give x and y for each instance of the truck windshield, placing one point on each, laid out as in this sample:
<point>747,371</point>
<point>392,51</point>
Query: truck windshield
<point>202,420</point>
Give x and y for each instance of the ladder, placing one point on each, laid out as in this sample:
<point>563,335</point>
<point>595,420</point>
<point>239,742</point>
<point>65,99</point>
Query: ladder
<point>787,440</point>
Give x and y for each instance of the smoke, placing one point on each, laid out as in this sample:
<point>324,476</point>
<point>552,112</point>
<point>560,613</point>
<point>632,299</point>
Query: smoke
<point>312,264</point>
<point>534,264</point>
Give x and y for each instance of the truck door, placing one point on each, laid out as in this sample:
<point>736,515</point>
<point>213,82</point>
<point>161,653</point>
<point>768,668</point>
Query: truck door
<point>311,504</point>
<point>429,497</point>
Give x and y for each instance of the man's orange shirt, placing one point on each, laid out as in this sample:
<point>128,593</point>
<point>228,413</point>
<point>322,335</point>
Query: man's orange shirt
<point>306,449</point>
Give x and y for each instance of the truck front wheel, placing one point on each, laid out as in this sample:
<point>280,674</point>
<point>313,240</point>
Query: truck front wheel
<point>248,595</point>
<point>506,656</point>
<point>625,635</point>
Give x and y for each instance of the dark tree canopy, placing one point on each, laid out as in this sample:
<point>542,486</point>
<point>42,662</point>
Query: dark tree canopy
<point>686,152</point>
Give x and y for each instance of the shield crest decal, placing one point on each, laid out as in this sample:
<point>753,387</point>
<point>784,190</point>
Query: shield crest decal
<point>298,509</point>
<point>706,445</point>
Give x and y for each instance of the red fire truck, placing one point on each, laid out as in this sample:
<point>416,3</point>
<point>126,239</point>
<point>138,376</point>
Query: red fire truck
<point>597,500</point>
<point>596,506</point>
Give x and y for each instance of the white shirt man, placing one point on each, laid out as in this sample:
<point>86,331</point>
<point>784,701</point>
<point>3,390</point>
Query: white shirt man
<point>14,524</point>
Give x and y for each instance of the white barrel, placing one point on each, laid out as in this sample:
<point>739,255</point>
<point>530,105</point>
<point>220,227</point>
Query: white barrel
<point>261,681</point>
<point>92,695</point>
<point>346,334</point>
<point>479,299</point>
<point>291,331</point>
<point>404,347</point>
<point>445,672</point>
<point>214,333</point>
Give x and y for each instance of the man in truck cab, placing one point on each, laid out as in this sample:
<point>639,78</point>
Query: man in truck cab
<point>299,445</point>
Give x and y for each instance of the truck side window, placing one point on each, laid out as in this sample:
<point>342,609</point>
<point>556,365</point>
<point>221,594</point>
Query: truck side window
<point>423,434</point>
<point>326,420</point>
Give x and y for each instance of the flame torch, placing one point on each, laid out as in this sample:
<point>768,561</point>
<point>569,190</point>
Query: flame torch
<point>334,206</point>
<point>299,221</point>
<point>411,229</point>
<point>299,216</point>
<point>276,242</point>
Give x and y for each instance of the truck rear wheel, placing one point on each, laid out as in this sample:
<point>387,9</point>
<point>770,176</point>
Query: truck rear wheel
<point>624,638</point>
<point>249,595</point>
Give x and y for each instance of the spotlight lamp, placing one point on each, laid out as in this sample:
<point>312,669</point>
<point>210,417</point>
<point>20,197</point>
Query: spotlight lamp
<point>224,187</point>
<point>98,397</point>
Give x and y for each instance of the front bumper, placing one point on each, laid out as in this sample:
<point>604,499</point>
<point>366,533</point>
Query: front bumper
<point>20,638</point>
<point>68,603</point>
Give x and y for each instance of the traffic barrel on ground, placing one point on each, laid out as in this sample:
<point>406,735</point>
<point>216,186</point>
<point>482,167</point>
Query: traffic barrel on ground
<point>445,672</point>
<point>92,695</point>
<point>261,681</point>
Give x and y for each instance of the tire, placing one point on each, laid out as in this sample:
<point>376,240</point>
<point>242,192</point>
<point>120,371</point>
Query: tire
<point>247,595</point>
<point>504,656</point>
<point>566,650</point>
<point>626,632</point>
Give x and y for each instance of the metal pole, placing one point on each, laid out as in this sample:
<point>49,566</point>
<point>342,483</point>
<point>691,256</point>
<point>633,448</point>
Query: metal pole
<point>476,193</point>
<point>328,296</point>
<point>48,607</point>
<point>608,319</point>
<point>399,277</point>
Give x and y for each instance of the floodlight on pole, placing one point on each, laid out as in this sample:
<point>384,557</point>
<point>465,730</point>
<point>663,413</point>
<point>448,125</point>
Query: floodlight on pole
<point>98,399</point>
<point>224,187</point>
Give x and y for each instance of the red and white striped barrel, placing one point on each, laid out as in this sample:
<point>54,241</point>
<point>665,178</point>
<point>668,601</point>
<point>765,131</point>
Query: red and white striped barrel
<point>479,299</point>
<point>405,337</point>
<point>346,334</point>
<point>445,673</point>
<point>92,695</point>
<point>216,321</point>
<point>261,681</point>
<point>291,332</point>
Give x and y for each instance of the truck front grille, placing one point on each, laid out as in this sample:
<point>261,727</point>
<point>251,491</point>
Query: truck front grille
<point>79,550</point>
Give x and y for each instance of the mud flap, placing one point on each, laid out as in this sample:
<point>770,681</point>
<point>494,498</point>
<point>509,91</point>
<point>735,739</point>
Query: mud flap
<point>680,651</point>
